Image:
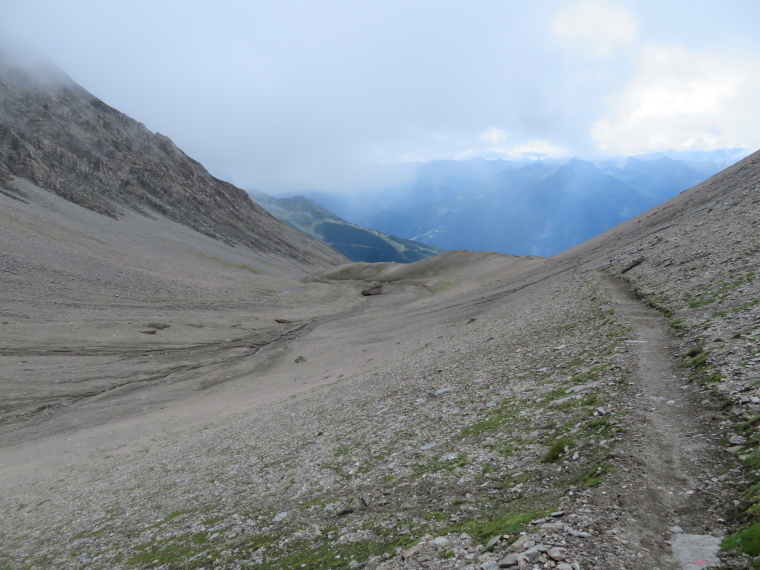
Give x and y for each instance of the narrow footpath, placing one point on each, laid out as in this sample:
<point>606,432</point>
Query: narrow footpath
<point>668,507</point>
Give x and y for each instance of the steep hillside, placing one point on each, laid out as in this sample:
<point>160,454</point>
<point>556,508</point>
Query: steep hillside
<point>63,139</point>
<point>355,242</point>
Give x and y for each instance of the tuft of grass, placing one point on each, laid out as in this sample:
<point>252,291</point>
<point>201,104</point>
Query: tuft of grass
<point>557,449</point>
<point>504,523</point>
<point>746,541</point>
<point>176,514</point>
<point>593,476</point>
<point>696,358</point>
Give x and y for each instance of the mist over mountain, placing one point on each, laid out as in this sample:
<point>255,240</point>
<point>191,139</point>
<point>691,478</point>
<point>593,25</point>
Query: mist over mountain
<point>62,138</point>
<point>539,207</point>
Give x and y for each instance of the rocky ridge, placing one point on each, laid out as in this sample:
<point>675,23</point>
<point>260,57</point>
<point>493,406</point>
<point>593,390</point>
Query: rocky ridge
<point>62,138</point>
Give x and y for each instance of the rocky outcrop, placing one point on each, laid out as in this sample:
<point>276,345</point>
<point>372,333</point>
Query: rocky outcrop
<point>62,138</point>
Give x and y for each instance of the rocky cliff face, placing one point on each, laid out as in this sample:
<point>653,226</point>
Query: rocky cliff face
<point>57,135</point>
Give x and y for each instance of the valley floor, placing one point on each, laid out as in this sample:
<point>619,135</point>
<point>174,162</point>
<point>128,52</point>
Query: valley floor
<point>483,412</point>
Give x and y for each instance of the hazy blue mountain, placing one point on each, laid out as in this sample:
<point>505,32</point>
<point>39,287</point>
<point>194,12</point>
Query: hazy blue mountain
<point>418,183</point>
<point>539,207</point>
<point>353,241</point>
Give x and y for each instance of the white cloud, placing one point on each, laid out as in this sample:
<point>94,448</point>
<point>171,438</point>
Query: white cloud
<point>678,99</point>
<point>598,27</point>
<point>494,135</point>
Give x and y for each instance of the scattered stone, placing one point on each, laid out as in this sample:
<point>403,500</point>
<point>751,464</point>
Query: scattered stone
<point>557,553</point>
<point>509,560</point>
<point>300,359</point>
<point>372,290</point>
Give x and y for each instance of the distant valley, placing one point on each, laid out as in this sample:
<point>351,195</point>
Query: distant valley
<point>357,243</point>
<point>539,207</point>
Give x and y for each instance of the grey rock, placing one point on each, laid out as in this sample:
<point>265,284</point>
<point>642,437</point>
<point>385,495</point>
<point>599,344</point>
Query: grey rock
<point>509,560</point>
<point>557,553</point>
<point>372,290</point>
<point>553,526</point>
<point>577,533</point>
<point>279,517</point>
<point>737,440</point>
<point>688,548</point>
<point>519,544</point>
<point>442,391</point>
<point>533,553</point>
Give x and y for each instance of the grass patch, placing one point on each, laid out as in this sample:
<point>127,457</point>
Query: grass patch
<point>746,541</point>
<point>177,514</point>
<point>504,523</point>
<point>556,450</point>
<point>702,302</point>
<point>696,358</point>
<point>302,554</point>
<point>500,416</point>
<point>439,286</point>
<point>593,476</point>
<point>439,465</point>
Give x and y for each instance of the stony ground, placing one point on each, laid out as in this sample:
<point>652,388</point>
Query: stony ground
<point>593,410</point>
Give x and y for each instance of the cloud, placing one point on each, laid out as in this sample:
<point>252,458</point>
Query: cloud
<point>297,95</point>
<point>597,27</point>
<point>678,99</point>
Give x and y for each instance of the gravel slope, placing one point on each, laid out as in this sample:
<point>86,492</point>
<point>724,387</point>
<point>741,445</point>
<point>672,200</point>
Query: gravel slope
<point>429,426</point>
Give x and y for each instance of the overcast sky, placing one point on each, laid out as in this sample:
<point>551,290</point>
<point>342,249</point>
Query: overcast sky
<point>290,95</point>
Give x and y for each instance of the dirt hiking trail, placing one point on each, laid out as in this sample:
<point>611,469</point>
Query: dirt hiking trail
<point>663,505</point>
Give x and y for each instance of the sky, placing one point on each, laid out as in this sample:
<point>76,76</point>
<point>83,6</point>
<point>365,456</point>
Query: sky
<point>292,95</point>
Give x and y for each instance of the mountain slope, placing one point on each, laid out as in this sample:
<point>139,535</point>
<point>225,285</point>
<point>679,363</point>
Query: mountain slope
<point>60,137</point>
<point>353,241</point>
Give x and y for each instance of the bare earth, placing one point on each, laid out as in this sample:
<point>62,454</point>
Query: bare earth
<point>170,401</point>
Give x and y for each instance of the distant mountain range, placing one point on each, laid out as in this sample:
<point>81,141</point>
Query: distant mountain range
<point>525,208</point>
<point>355,242</point>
